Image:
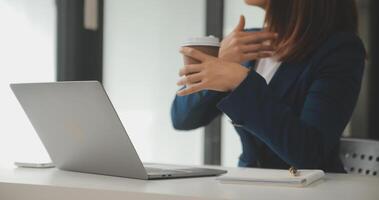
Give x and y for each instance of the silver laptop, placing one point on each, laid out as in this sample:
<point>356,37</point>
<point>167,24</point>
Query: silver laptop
<point>82,132</point>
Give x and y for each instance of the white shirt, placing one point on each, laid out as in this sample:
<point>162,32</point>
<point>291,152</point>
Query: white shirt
<point>267,68</point>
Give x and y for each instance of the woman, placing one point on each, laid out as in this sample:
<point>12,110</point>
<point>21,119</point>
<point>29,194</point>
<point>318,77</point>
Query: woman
<point>295,92</point>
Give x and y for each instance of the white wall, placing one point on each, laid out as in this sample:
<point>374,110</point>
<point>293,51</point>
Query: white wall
<point>27,54</point>
<point>141,63</point>
<point>254,19</point>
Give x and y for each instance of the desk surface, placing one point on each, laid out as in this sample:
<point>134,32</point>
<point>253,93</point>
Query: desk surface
<point>52,183</point>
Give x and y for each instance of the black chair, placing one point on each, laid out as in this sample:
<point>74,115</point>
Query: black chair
<point>360,156</point>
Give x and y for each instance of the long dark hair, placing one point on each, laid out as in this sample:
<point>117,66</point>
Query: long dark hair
<point>302,25</point>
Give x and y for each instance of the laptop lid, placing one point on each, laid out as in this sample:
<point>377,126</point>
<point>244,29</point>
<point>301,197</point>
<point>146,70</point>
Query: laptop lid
<point>80,128</point>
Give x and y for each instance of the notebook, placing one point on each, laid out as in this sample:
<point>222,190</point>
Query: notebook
<point>271,177</point>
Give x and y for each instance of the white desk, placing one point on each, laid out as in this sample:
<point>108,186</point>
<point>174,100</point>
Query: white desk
<point>43,184</point>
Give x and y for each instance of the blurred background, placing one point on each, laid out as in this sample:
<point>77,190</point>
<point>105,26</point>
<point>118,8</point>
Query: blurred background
<point>131,46</point>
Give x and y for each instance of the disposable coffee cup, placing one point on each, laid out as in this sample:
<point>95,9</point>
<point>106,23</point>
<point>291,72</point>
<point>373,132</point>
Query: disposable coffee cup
<point>209,45</point>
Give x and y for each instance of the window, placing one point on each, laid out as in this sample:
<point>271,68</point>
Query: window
<point>141,63</point>
<point>27,50</point>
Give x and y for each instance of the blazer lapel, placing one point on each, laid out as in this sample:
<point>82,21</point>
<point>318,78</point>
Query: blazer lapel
<point>285,77</point>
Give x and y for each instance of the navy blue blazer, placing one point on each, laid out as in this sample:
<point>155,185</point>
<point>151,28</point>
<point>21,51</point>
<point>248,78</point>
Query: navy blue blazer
<point>295,120</point>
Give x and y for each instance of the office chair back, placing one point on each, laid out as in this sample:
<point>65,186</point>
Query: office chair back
<point>360,156</point>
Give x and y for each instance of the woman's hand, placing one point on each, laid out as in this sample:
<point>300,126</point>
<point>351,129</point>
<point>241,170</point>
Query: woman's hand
<point>211,74</point>
<point>240,46</point>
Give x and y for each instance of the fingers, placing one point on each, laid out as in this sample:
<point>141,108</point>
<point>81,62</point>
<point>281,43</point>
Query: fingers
<point>190,69</point>
<point>258,55</point>
<point>197,87</point>
<point>250,48</point>
<point>258,37</point>
<point>191,79</point>
<point>194,53</point>
<point>241,24</point>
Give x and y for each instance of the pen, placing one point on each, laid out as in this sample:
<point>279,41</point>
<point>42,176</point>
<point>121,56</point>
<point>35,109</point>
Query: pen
<point>293,171</point>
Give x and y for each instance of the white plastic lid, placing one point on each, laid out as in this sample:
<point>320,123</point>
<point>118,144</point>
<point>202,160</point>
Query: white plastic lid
<point>202,41</point>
